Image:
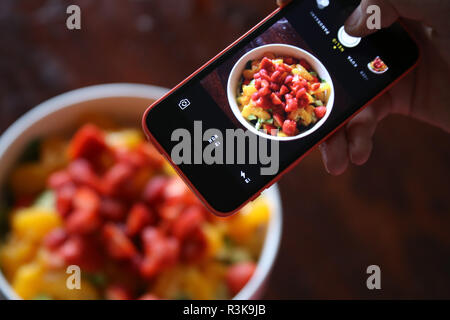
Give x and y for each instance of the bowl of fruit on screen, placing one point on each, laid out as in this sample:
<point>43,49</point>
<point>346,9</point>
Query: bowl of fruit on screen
<point>82,190</point>
<point>280,92</point>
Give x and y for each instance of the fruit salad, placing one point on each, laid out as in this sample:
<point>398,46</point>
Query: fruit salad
<point>283,96</point>
<point>105,201</point>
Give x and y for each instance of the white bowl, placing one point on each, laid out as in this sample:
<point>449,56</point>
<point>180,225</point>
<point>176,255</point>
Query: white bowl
<point>125,103</point>
<point>278,50</point>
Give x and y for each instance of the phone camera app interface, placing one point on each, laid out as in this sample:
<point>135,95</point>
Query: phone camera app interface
<point>289,84</point>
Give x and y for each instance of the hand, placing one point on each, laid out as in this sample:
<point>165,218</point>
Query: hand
<point>424,94</point>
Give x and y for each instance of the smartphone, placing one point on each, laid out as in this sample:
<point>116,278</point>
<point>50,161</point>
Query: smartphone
<point>285,86</point>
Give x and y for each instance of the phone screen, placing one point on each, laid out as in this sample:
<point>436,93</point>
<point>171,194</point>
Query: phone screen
<point>336,75</point>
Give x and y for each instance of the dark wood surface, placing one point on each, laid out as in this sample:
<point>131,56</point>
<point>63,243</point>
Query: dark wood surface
<point>394,211</point>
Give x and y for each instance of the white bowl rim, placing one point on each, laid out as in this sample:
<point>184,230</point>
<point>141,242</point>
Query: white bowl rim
<point>231,94</point>
<point>134,90</point>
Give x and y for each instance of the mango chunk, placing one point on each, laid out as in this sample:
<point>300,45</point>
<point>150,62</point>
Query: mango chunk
<point>259,112</point>
<point>254,215</point>
<point>127,139</point>
<point>14,253</point>
<point>28,280</point>
<point>249,90</point>
<point>34,223</point>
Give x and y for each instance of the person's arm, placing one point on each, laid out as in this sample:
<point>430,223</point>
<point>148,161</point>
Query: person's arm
<point>423,95</point>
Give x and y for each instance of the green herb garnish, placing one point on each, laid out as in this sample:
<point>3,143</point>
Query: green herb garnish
<point>258,124</point>
<point>97,279</point>
<point>42,296</point>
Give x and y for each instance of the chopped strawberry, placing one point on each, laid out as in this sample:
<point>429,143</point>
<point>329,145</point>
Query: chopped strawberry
<point>283,90</point>
<point>274,86</point>
<point>265,83</point>
<point>82,251</point>
<point>315,86</point>
<point>115,178</point>
<point>190,219</point>
<point>118,245</point>
<point>154,190</point>
<point>86,199</point>
<point>303,101</point>
<point>118,292</point>
<point>170,211</point>
<point>284,68</point>
<point>291,105</point>
<point>275,76</point>
<point>275,99</point>
<point>195,246</point>
<point>267,64</point>
<point>305,64</point>
<point>59,179</point>
<point>270,129</point>
<point>55,238</point>
<point>112,209</point>
<point>290,60</point>
<point>72,250</point>
<point>82,173</point>
<point>159,251</point>
<point>131,158</point>
<point>264,91</point>
<point>290,127</point>
<point>264,102</point>
<point>238,275</point>
<point>139,217</point>
<point>278,119</point>
<point>320,112</point>
<point>82,221</point>
<point>264,77</point>
<point>64,199</point>
<point>288,79</point>
<point>258,83</point>
<point>300,93</point>
<point>88,142</point>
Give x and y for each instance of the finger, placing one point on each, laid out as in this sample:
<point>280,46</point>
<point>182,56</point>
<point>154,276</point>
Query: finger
<point>357,24</point>
<point>282,3</point>
<point>432,14</point>
<point>359,134</point>
<point>334,153</point>
<point>361,128</point>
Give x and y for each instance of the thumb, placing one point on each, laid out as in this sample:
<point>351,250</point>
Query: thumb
<point>357,24</point>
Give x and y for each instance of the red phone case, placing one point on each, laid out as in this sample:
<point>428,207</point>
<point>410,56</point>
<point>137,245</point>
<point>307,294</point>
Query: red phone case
<point>290,167</point>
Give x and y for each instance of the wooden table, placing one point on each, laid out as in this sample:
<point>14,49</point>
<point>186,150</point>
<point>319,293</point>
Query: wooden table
<point>393,212</point>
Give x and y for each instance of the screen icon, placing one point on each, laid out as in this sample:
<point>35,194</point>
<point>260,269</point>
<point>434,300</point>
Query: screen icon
<point>183,104</point>
<point>246,179</point>
<point>322,4</point>
<point>346,39</point>
<point>378,66</point>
